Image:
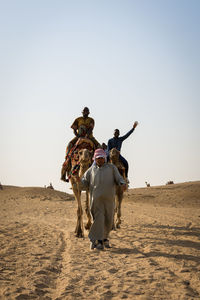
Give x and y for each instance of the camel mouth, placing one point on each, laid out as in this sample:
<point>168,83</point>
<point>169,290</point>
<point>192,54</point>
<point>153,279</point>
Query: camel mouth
<point>85,160</point>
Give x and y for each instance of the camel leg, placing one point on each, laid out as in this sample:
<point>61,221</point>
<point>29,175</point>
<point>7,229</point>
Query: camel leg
<point>87,210</point>
<point>79,225</point>
<point>115,211</point>
<point>113,226</point>
<point>118,209</point>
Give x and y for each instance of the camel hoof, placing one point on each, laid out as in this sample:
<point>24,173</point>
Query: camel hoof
<point>80,235</point>
<point>87,226</point>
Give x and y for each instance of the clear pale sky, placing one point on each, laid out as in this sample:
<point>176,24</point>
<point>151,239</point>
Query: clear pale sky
<point>125,60</point>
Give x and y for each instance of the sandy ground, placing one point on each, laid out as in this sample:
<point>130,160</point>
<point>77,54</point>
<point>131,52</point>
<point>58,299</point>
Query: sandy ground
<point>155,254</point>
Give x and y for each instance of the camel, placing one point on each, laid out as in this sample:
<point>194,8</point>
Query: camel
<point>147,184</point>
<point>50,186</point>
<point>81,160</point>
<point>114,159</point>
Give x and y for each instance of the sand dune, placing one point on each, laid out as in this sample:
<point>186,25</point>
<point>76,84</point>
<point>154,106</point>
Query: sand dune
<point>155,254</point>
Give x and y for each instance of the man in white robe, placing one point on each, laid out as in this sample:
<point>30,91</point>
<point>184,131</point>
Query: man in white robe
<point>101,179</point>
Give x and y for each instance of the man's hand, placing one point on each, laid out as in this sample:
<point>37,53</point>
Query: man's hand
<point>135,124</point>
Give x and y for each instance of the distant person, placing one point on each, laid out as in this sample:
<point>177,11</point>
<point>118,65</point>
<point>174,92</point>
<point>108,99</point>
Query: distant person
<point>1,186</point>
<point>101,179</point>
<point>105,148</point>
<point>116,142</point>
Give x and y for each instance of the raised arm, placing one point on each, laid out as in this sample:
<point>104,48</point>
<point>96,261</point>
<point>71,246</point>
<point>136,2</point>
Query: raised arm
<point>129,132</point>
<point>135,124</point>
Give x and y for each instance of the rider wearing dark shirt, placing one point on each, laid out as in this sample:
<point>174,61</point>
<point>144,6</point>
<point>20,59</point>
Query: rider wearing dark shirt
<point>116,142</point>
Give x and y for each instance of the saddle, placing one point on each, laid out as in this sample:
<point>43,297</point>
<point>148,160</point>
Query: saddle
<point>71,164</point>
<point>82,143</point>
<point>72,161</point>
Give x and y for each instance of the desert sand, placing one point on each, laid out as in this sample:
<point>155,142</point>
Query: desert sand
<point>154,255</point>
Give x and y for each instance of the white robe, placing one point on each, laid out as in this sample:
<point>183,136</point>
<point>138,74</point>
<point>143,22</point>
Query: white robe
<point>101,182</point>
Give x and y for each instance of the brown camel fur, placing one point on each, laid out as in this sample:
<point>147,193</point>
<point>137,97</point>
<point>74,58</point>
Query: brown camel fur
<point>82,158</point>
<point>114,159</point>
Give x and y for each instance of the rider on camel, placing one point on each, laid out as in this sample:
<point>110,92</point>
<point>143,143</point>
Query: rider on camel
<point>83,128</point>
<point>116,142</point>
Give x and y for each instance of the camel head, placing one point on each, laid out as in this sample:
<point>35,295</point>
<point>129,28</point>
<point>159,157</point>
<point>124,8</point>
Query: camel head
<point>114,155</point>
<point>85,156</point>
<point>85,160</point>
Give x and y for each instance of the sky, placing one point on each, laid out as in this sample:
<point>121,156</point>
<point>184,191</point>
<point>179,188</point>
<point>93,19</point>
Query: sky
<point>130,60</point>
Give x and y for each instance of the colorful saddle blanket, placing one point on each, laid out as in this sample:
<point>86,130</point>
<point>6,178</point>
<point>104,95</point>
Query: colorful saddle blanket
<point>82,143</point>
<point>73,157</point>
